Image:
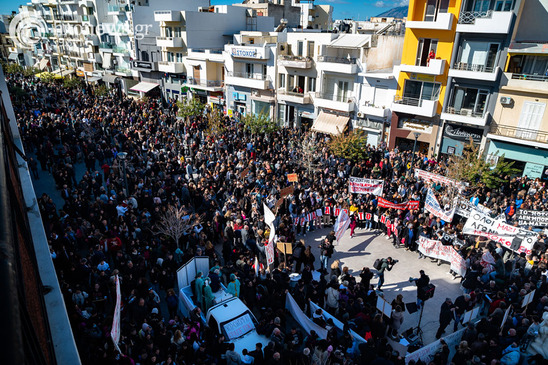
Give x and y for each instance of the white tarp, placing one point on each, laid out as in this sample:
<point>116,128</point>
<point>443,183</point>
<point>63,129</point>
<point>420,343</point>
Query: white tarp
<point>330,123</point>
<point>432,205</point>
<point>187,272</point>
<point>269,220</point>
<point>306,323</point>
<point>342,223</point>
<point>358,185</point>
<point>144,87</point>
<point>437,250</point>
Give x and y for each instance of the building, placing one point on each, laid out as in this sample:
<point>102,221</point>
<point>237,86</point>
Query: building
<point>375,25</point>
<point>519,129</point>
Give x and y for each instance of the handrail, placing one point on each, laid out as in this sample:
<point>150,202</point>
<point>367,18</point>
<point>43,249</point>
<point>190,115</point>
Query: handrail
<point>465,112</point>
<point>248,75</point>
<point>520,133</point>
<point>345,60</point>
<point>472,67</point>
<point>530,77</point>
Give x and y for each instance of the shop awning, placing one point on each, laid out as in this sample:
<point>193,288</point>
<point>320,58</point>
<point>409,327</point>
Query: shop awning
<point>93,79</point>
<point>330,123</point>
<point>13,56</point>
<point>351,41</point>
<point>110,79</point>
<point>144,87</point>
<point>43,63</point>
<point>106,60</point>
<point>528,48</point>
<point>66,72</point>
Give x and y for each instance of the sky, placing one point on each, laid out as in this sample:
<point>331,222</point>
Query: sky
<point>354,9</point>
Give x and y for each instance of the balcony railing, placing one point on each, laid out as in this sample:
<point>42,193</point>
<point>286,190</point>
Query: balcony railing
<point>345,60</point>
<point>471,67</point>
<point>106,45</point>
<point>205,50</point>
<point>521,133</point>
<point>206,83</point>
<point>296,58</point>
<point>117,8</point>
<point>464,112</point>
<point>248,75</point>
<point>292,93</point>
<point>469,17</point>
<point>405,100</point>
<point>530,77</point>
<point>122,50</point>
<point>335,97</point>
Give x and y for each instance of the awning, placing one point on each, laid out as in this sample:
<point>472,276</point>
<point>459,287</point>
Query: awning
<point>144,87</point>
<point>93,79</point>
<point>13,56</point>
<point>43,63</point>
<point>110,79</point>
<point>351,41</point>
<point>66,72</point>
<point>330,123</point>
<point>528,48</point>
<point>106,60</point>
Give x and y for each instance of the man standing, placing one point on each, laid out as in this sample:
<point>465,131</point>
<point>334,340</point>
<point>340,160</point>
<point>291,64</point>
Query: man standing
<point>462,304</point>
<point>446,316</point>
<point>422,282</point>
<point>387,264</point>
<point>326,251</point>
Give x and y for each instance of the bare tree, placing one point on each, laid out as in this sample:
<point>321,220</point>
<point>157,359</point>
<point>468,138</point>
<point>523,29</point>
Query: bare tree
<point>175,222</point>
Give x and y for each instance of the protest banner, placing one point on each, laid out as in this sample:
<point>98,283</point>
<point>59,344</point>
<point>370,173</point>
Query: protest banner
<point>412,204</point>
<point>437,250</point>
<point>269,250</point>
<point>269,247</point>
<point>431,177</point>
<point>426,353</point>
<point>244,173</point>
<point>292,178</point>
<point>286,191</point>
<point>384,307</point>
<point>115,330</point>
<point>464,207</point>
<point>532,218</point>
<point>365,186</point>
<point>342,223</point>
<point>432,205</point>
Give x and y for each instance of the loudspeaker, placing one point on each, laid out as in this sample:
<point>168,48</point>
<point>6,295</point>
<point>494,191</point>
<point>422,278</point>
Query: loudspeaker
<point>427,292</point>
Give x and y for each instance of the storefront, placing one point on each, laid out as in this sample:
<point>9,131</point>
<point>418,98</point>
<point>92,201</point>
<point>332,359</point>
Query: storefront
<point>455,137</point>
<point>529,160</point>
<point>373,129</point>
<point>403,129</point>
<point>294,115</point>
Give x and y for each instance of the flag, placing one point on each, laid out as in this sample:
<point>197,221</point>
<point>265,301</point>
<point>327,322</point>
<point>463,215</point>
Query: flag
<point>256,265</point>
<point>343,221</point>
<point>115,331</point>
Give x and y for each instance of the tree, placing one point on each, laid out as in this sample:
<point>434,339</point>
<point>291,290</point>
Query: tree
<point>172,223</point>
<point>351,146</point>
<point>101,90</point>
<point>72,82</point>
<point>30,71</point>
<point>473,169</point>
<point>259,123</point>
<point>190,108</point>
<point>12,68</point>
<point>215,123</point>
<point>309,151</point>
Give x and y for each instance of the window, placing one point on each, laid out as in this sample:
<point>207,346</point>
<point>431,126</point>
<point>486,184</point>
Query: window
<point>264,71</point>
<point>469,101</point>
<point>312,84</point>
<point>281,112</point>
<point>426,45</point>
<point>179,57</point>
<point>300,47</point>
<point>170,57</point>
<point>291,82</point>
<point>144,56</point>
<point>341,93</point>
<point>535,65</point>
<point>503,5</point>
<point>282,81</point>
<point>310,49</point>
<point>416,91</point>
<point>249,70</point>
<point>530,119</point>
<point>477,56</point>
<point>433,8</point>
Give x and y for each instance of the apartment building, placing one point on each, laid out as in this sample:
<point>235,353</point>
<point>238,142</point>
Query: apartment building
<point>519,129</point>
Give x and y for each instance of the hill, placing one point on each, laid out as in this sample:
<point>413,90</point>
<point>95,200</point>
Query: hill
<point>399,12</point>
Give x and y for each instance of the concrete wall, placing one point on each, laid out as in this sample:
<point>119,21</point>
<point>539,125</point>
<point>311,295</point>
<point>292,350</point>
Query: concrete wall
<point>378,92</point>
<point>509,115</point>
<point>386,55</point>
<point>532,24</point>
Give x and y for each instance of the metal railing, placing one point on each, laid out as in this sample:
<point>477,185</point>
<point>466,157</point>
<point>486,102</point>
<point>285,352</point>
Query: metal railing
<point>117,8</point>
<point>106,45</point>
<point>335,97</point>
<point>293,93</point>
<point>471,67</point>
<point>206,83</point>
<point>529,77</point>
<point>118,49</point>
<point>521,133</point>
<point>248,75</point>
<point>406,100</point>
<point>295,58</point>
<point>469,17</point>
<point>465,112</point>
<point>345,60</point>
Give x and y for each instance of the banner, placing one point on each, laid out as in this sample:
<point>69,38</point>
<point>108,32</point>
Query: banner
<point>464,207</point>
<point>269,247</point>
<point>437,250</point>
<point>532,218</point>
<point>365,186</point>
<point>343,221</point>
<point>326,315</point>
<point>306,323</point>
<point>431,177</point>
<point>115,331</point>
<point>426,353</point>
<point>292,178</point>
<point>383,203</point>
<point>433,206</point>
<point>286,191</point>
<point>269,250</point>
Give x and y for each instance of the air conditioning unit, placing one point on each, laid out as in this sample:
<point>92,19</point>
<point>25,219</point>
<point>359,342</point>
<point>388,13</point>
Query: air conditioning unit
<point>360,115</point>
<point>505,100</point>
<point>255,92</point>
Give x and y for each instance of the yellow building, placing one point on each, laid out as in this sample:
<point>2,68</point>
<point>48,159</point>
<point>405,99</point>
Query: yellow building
<point>428,47</point>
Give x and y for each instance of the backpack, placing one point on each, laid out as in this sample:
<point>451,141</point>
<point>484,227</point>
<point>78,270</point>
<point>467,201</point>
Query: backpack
<point>378,264</point>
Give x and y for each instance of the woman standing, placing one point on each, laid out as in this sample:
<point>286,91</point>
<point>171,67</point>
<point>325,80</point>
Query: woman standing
<point>396,321</point>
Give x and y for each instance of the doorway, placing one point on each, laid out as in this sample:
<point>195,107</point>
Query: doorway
<point>425,46</point>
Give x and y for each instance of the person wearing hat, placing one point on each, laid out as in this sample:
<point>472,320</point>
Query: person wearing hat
<point>446,316</point>
<point>198,287</point>
<point>234,286</point>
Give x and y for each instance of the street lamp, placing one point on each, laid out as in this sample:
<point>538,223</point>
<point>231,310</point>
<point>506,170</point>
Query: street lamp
<point>417,135</point>
<point>122,156</point>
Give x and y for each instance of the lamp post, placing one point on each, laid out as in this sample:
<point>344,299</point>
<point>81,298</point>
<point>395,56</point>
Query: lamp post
<point>417,135</point>
<point>122,156</point>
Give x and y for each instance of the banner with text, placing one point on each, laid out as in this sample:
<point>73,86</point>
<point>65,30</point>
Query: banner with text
<point>115,331</point>
<point>365,186</point>
<point>533,218</point>
<point>431,177</point>
<point>383,203</point>
<point>464,207</point>
<point>433,206</point>
<point>438,250</point>
<point>343,221</point>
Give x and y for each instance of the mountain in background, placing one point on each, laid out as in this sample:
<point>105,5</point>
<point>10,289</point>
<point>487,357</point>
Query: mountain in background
<point>399,12</point>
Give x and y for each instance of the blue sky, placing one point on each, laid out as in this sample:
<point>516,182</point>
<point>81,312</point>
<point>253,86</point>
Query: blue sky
<point>356,9</point>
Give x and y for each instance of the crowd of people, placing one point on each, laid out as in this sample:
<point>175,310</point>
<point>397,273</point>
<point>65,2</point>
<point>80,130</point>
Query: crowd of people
<point>110,226</point>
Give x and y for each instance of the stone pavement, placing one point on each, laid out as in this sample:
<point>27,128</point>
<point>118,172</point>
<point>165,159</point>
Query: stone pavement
<point>366,247</point>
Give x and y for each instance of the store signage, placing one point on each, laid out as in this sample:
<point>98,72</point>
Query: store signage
<point>416,125</point>
<point>462,133</point>
<point>142,64</point>
<point>532,218</point>
<point>80,73</point>
<point>248,52</point>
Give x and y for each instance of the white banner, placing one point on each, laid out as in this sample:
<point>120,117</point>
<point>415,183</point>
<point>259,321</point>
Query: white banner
<point>433,206</point>
<point>426,353</point>
<point>465,207</point>
<point>306,323</point>
<point>326,315</point>
<point>115,331</point>
<point>343,221</point>
<point>269,248</point>
<point>358,185</point>
<point>431,177</point>
<point>436,249</point>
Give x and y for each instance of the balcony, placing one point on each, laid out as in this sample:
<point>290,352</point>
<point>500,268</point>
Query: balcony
<point>92,39</point>
<point>294,97</point>
<point>511,134</point>
<point>210,85</point>
<point>117,9</point>
<point>435,67</point>
<point>122,71</point>
<point>295,62</point>
<point>170,67</point>
<point>344,65</point>
<point>66,18</point>
<point>167,16</point>
<point>89,19</point>
<point>525,82</point>
<point>422,107</point>
<point>444,21</point>
<point>485,21</point>
<point>94,57</point>
<point>374,111</point>
<point>249,80</point>
<point>106,47</point>
<point>467,116</point>
<point>474,72</point>
<point>171,42</point>
<point>120,51</point>
<point>333,101</point>
<point>248,51</point>
<point>213,55</point>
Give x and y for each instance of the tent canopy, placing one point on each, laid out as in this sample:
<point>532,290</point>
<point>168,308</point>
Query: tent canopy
<point>144,87</point>
<point>43,63</point>
<point>330,123</point>
<point>110,79</point>
<point>13,56</point>
<point>351,41</point>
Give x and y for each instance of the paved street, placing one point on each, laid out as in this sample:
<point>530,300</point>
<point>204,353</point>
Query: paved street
<point>367,246</point>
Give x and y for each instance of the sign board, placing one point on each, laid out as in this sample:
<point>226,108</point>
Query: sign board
<point>285,247</point>
<point>244,173</point>
<point>365,186</point>
<point>412,204</point>
<point>533,170</point>
<point>384,306</point>
<point>437,250</point>
<point>416,125</point>
<point>461,133</point>
<point>142,64</point>
<point>80,73</point>
<point>528,298</point>
<point>286,191</point>
<point>248,52</point>
<point>534,218</point>
<point>292,178</point>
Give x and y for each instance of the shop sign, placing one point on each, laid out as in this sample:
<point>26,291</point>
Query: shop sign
<point>80,73</point>
<point>533,170</point>
<point>416,125</point>
<point>421,77</point>
<point>142,64</point>
<point>462,133</point>
<point>248,52</point>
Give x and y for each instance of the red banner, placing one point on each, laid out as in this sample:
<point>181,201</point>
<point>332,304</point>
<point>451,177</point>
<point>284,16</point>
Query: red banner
<point>413,204</point>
